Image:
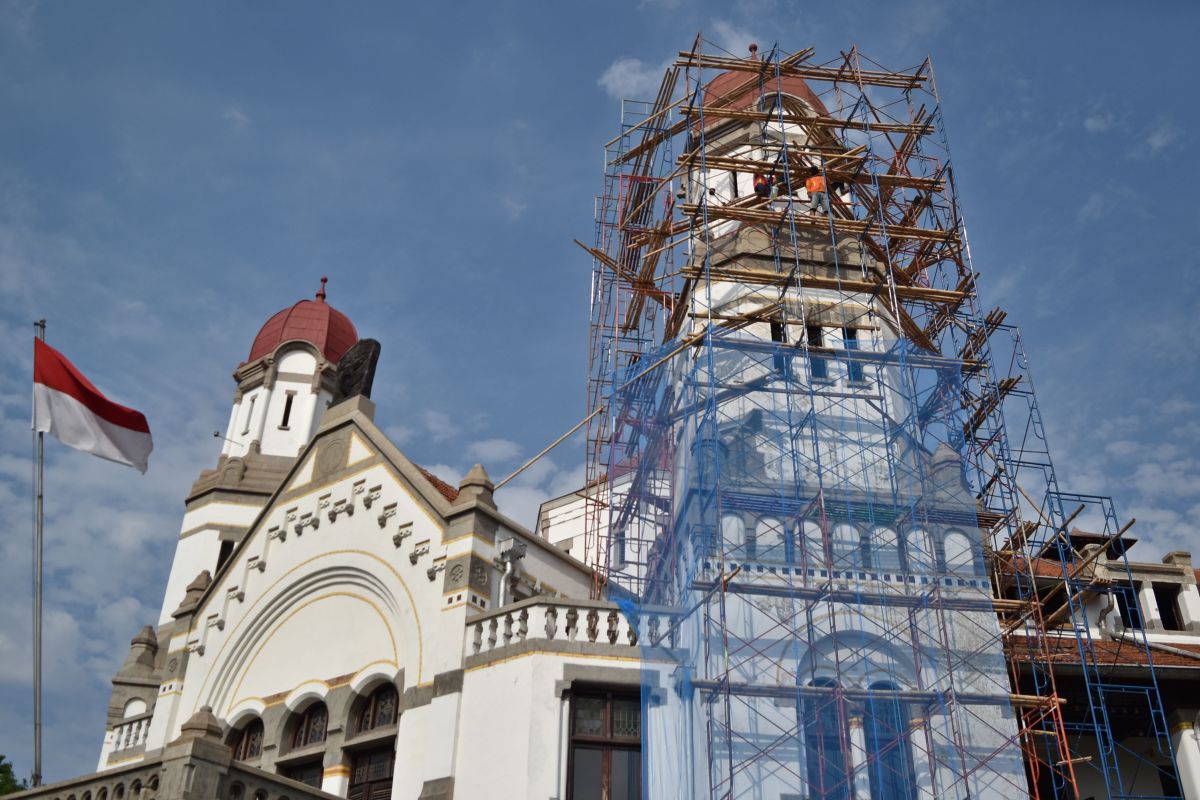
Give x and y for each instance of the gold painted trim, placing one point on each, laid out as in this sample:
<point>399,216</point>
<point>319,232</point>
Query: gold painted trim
<point>1182,726</point>
<point>249,612</point>
<point>336,772</point>
<point>262,644</point>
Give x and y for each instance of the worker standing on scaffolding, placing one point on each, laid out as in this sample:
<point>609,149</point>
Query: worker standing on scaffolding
<point>764,186</point>
<point>817,196</point>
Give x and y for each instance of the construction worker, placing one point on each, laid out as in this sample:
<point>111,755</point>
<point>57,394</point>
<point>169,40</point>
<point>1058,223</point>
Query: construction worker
<point>817,197</point>
<point>764,186</point>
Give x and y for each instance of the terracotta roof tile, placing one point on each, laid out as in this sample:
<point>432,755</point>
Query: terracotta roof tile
<point>446,490</point>
<point>1064,650</point>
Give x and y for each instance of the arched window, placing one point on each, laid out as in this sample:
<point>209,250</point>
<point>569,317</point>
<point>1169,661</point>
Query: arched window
<point>310,727</point>
<point>884,549</point>
<point>770,539</point>
<point>773,540</point>
<point>889,756</point>
<point>957,548</point>
<point>248,742</point>
<point>825,737</point>
<point>847,547</point>
<point>919,555</point>
<point>733,535</point>
<point>378,710</point>
<point>813,543</point>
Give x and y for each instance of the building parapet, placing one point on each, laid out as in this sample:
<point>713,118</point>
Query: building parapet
<point>553,625</point>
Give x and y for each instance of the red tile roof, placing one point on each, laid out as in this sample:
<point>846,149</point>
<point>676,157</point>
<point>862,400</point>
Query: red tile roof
<point>446,490</point>
<point>1064,650</point>
<point>313,321</point>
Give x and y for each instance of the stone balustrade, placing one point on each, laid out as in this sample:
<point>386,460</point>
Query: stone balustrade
<point>196,765</point>
<point>138,781</point>
<point>552,624</point>
<point>131,733</point>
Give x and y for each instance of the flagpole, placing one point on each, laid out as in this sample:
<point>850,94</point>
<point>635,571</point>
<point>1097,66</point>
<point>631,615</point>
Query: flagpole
<point>40,332</point>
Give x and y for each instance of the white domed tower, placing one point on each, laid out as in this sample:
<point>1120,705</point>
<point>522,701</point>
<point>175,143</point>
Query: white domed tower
<point>286,382</point>
<point>283,387</point>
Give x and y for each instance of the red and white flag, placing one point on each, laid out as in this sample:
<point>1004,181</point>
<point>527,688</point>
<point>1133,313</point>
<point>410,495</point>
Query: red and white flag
<point>67,406</point>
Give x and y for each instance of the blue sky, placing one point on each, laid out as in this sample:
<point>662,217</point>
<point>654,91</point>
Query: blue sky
<point>171,175</point>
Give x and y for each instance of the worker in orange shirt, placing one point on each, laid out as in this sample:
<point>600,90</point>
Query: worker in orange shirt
<point>817,197</point>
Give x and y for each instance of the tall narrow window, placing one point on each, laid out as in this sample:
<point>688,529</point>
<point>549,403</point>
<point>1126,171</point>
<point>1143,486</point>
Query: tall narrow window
<point>287,409</point>
<point>605,758</point>
<point>847,547</point>
<point>310,727</point>
<point>247,743</point>
<point>854,368</point>
<point>1127,604</point>
<point>888,752</point>
<point>825,737</point>
<point>379,709</point>
<point>1166,595</point>
<point>782,357</point>
<point>816,338</point>
<point>249,415</point>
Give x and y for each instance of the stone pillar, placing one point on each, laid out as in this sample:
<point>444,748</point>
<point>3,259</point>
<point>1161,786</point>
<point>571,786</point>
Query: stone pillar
<point>194,765</point>
<point>1188,603</point>
<point>857,760</point>
<point>1150,614</point>
<point>1187,758</point>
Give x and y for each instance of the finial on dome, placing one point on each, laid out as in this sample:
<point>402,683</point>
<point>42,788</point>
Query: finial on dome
<point>753,50</point>
<point>321,291</point>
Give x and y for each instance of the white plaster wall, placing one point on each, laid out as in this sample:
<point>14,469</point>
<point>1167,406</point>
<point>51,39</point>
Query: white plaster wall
<point>245,421</point>
<point>198,550</point>
<point>333,601</point>
<point>512,735</point>
<point>278,440</point>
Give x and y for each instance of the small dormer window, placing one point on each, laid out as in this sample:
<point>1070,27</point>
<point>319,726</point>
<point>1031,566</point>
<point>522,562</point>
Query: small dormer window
<point>287,410</point>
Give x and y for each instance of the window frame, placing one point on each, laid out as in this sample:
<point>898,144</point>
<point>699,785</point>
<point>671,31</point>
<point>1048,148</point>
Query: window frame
<point>369,708</point>
<point>607,743</point>
<point>302,723</point>
<point>242,741</point>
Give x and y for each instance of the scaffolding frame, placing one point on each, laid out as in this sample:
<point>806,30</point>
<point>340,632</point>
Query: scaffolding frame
<point>675,364</point>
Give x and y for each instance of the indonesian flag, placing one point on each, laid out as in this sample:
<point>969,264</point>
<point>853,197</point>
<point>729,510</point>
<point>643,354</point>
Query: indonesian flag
<point>67,406</point>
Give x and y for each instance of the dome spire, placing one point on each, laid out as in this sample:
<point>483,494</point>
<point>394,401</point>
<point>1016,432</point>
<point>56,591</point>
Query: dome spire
<point>321,291</point>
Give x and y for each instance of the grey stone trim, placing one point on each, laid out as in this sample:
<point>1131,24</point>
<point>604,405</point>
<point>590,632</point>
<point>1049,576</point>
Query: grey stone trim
<point>554,646</point>
<point>293,377</point>
<point>437,789</point>
<point>415,697</point>
<point>321,480</point>
<point>597,675</point>
<point>445,683</point>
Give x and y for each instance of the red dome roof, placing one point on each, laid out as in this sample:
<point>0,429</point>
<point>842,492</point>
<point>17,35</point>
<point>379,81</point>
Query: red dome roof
<point>313,321</point>
<point>726,82</point>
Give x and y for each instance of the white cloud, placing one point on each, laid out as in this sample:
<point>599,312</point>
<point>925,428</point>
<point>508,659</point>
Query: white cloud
<point>734,38</point>
<point>513,206</point>
<point>543,481</point>
<point>491,451</point>
<point>1162,136</point>
<point>631,79</point>
<point>1098,204</point>
<point>1098,122</point>
<point>236,118</point>
<point>439,425</point>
